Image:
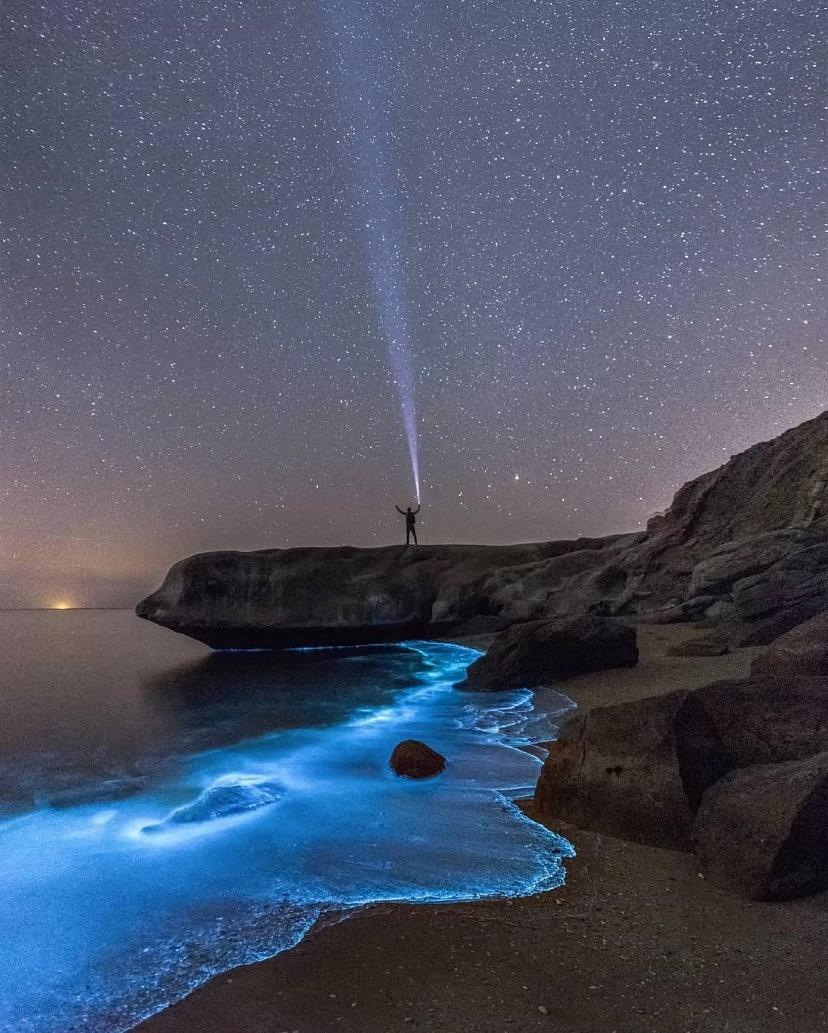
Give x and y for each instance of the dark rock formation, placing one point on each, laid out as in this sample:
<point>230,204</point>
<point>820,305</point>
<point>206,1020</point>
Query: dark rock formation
<point>804,650</point>
<point>640,770</point>
<point>414,759</point>
<point>763,831</point>
<point>542,652</point>
<point>280,598</point>
<point>616,770</point>
<point>743,548</point>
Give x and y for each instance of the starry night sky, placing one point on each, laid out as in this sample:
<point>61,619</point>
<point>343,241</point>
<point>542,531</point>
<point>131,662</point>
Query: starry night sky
<point>600,220</point>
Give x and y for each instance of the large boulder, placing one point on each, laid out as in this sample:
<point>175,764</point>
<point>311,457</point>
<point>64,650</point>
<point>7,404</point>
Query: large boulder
<point>803,650</point>
<point>414,759</point>
<point>763,831</point>
<point>543,652</point>
<point>640,770</point>
<point>616,770</point>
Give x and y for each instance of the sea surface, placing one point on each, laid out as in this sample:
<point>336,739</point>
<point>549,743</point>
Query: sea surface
<point>167,813</point>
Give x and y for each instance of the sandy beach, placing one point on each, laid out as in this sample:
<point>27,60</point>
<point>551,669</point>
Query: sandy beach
<point>635,942</point>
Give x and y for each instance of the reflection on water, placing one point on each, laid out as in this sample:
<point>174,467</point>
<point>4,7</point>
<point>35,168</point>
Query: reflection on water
<point>98,702</point>
<point>171,813</point>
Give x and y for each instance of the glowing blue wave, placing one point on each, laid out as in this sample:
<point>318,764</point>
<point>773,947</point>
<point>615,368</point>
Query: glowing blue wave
<point>112,910</point>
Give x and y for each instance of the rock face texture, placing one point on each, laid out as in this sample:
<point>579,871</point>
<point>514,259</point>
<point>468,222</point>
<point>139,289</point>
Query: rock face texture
<point>763,831</point>
<point>804,650</point>
<point>743,549</point>
<point>652,771</point>
<point>340,596</point>
<point>542,652</point>
<point>616,770</point>
<point>414,759</point>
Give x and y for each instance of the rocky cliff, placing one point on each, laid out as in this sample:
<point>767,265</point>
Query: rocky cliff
<point>743,548</point>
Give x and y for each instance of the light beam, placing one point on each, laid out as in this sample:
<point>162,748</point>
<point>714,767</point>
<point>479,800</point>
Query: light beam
<point>364,70</point>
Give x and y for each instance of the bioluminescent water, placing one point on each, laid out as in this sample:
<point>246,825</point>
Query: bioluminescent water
<point>167,820</point>
<point>364,75</point>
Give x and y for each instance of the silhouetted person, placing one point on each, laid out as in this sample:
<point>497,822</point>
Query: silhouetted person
<point>410,522</point>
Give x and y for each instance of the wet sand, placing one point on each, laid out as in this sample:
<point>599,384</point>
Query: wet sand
<point>636,942</point>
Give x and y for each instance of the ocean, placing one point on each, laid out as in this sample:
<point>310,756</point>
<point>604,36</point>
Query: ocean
<point>167,813</point>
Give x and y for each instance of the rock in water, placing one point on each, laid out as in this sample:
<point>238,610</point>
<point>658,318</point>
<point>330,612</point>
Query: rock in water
<point>803,650</point>
<point>763,831</point>
<point>225,799</point>
<point>414,759</point>
<point>543,652</point>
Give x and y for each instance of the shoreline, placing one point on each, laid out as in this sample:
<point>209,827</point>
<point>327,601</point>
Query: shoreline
<point>634,942</point>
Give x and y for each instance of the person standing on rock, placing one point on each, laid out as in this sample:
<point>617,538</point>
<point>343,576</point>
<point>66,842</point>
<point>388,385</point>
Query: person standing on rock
<point>410,522</point>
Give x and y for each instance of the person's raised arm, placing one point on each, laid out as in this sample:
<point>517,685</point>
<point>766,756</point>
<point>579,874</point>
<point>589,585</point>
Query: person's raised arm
<point>400,511</point>
<point>419,507</point>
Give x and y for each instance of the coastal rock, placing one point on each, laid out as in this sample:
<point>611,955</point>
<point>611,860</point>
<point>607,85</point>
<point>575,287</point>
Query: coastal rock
<point>414,759</point>
<point>616,770</point>
<point>541,652</point>
<point>803,650</point>
<point>763,720</point>
<point>286,598</point>
<point>762,832</point>
<point>732,546</point>
<point>735,561</point>
<point>777,484</point>
<point>640,770</point>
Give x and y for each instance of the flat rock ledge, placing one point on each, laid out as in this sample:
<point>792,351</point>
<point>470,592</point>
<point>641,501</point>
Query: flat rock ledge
<point>289,598</point>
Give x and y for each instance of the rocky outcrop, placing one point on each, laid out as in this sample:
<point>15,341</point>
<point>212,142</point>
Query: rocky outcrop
<point>738,769</point>
<point>743,549</point>
<point>543,652</point>
<point>413,759</point>
<point>280,598</point>
<point>640,770</point>
<point>699,645</point>
<point>762,831</point>
<point>616,770</point>
<point>804,650</point>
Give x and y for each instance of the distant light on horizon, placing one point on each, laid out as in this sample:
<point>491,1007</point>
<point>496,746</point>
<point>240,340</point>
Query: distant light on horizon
<point>61,604</point>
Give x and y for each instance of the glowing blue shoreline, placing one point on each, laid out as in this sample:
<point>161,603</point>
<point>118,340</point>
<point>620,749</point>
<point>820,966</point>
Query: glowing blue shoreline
<point>119,921</point>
